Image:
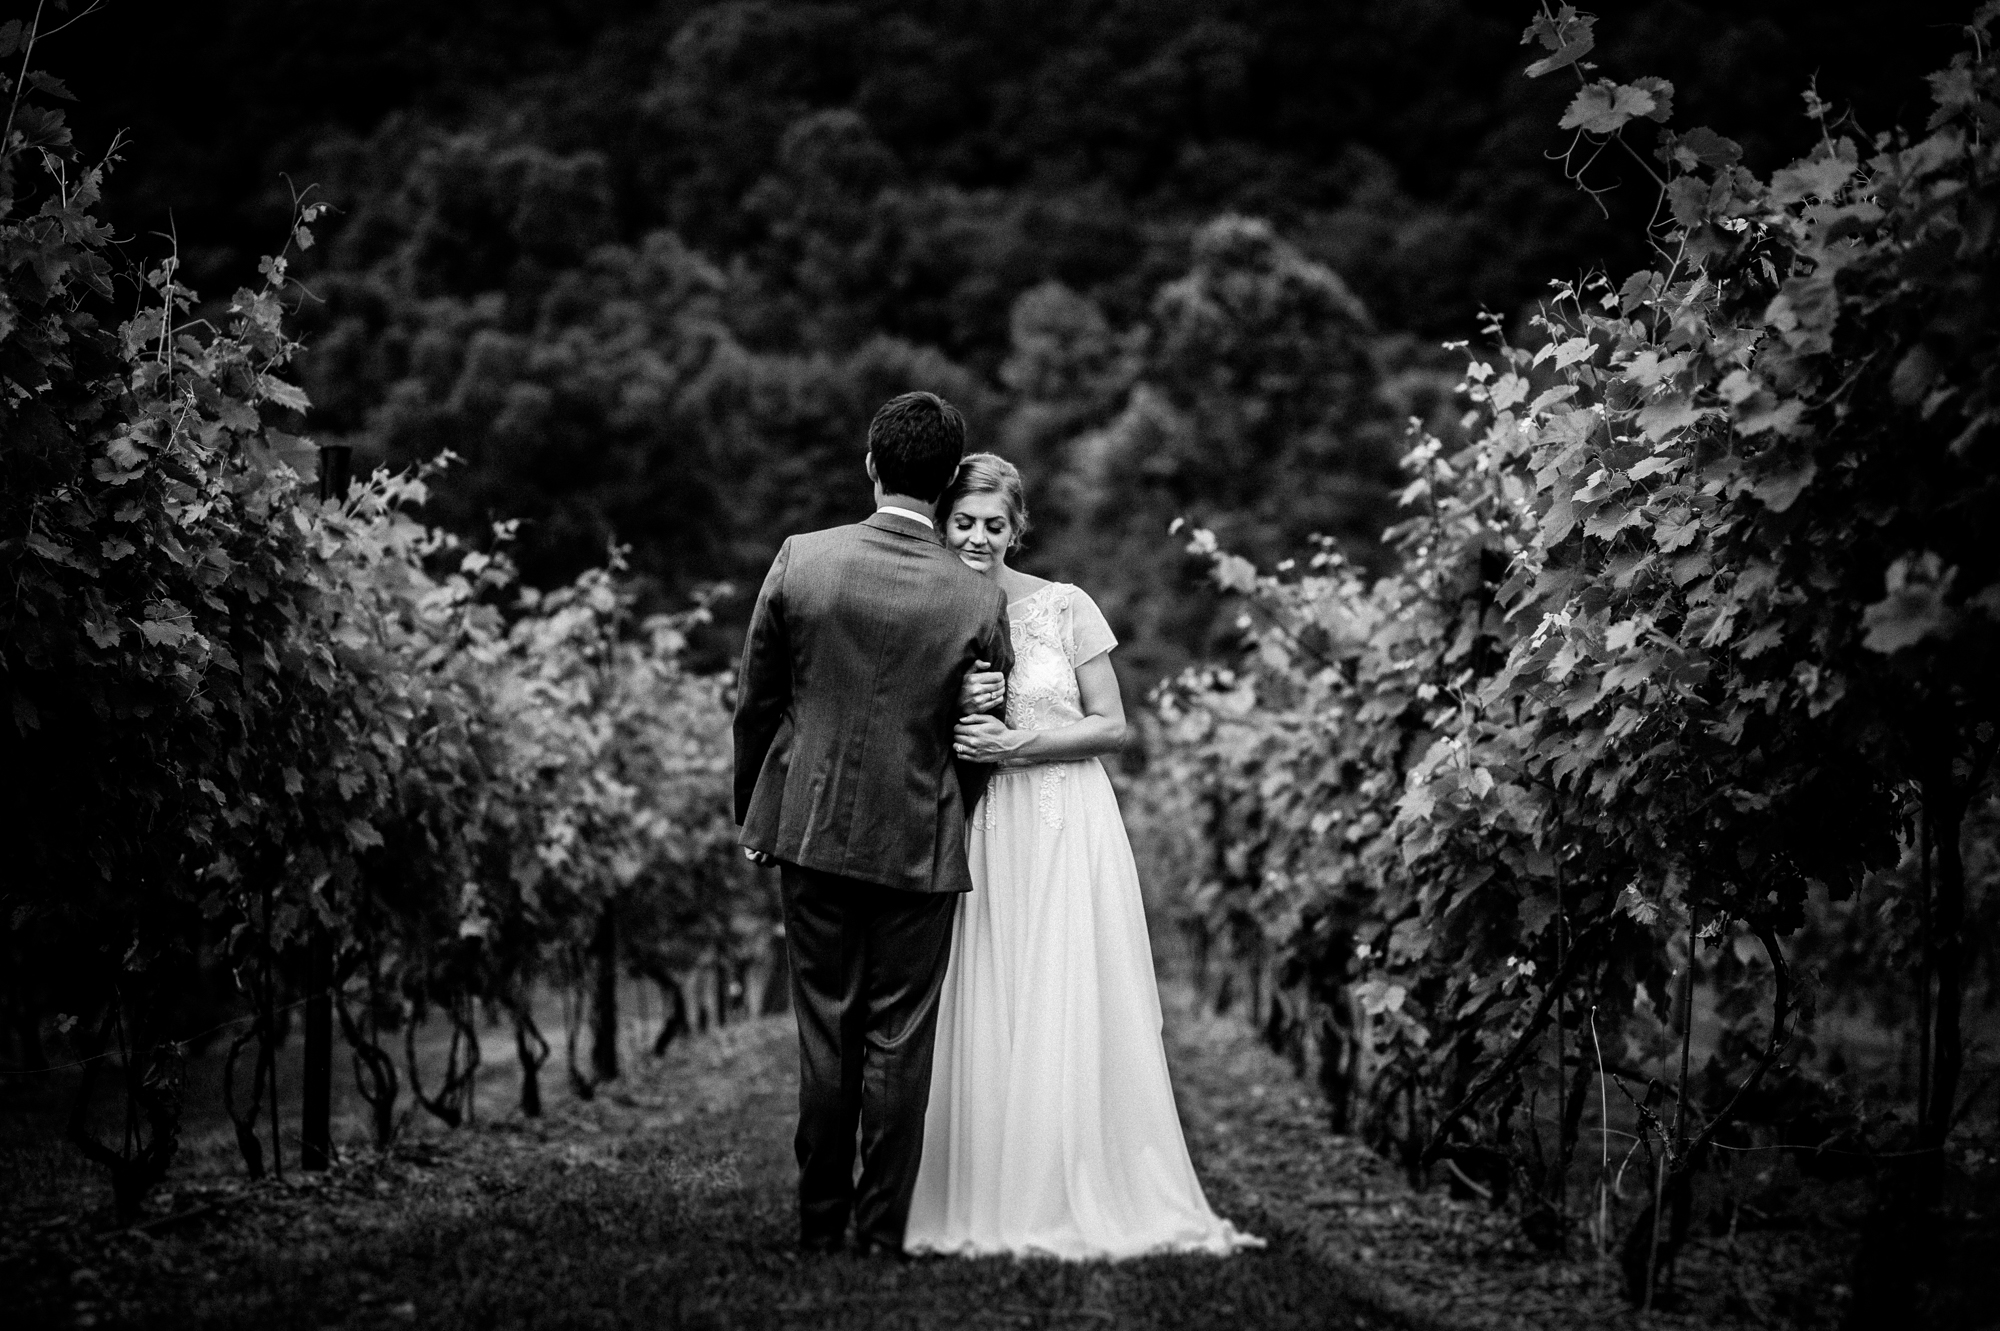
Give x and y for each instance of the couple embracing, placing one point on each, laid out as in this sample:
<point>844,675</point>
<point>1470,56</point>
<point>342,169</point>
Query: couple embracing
<point>974,987</point>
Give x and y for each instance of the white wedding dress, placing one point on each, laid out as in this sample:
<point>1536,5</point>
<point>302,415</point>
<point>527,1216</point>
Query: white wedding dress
<point>1051,1129</point>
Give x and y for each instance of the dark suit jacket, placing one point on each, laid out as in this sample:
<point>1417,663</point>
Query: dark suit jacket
<point>847,700</point>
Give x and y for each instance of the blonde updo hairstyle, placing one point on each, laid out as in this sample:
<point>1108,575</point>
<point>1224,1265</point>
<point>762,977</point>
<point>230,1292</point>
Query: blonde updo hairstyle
<point>988,473</point>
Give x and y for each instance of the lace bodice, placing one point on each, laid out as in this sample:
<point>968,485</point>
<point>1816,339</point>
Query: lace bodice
<point>1055,629</point>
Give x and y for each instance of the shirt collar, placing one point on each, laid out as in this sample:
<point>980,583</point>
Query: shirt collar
<point>902,512</point>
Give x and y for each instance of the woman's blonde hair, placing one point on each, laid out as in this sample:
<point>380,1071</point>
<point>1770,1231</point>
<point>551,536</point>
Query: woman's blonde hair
<point>988,473</point>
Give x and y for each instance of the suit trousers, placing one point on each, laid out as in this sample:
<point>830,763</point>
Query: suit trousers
<point>868,963</point>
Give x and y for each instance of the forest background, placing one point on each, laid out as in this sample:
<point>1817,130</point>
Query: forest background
<point>648,268</point>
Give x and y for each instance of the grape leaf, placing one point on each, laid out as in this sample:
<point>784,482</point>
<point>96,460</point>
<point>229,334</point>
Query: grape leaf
<point>1662,93</point>
<point>1571,52</point>
<point>1555,30</point>
<point>1671,534</point>
<point>48,83</point>
<point>1768,415</point>
<point>1688,197</point>
<point>165,632</point>
<point>1558,522</point>
<point>1649,368</point>
<point>1550,397</point>
<point>1819,179</point>
<point>1535,912</point>
<point>1953,90</point>
<point>1604,107</point>
<point>1905,618</point>
<point>287,395</point>
<point>362,835</point>
<point>1624,635</point>
<point>1913,374</point>
<point>1574,350</point>
<point>1659,419</point>
<point>1608,521</point>
<point>1780,491</point>
<point>1737,387</point>
<point>1702,146</point>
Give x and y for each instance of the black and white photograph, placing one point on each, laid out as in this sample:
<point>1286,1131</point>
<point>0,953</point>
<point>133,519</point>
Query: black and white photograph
<point>1126,665</point>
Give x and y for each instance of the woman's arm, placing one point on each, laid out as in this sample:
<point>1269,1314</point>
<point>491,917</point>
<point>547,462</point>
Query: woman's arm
<point>985,739</point>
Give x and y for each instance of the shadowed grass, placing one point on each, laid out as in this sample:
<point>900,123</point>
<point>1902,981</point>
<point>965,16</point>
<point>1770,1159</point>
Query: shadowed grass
<point>667,1204</point>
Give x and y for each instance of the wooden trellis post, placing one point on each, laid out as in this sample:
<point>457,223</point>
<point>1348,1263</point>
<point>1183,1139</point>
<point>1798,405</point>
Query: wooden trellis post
<point>315,1127</point>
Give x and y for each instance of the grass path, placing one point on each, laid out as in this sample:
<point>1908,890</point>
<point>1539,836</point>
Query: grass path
<point>667,1202</point>
<point>664,1204</point>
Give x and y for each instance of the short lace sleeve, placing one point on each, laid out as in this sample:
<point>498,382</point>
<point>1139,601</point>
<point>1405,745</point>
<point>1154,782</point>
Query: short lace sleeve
<point>1088,636</point>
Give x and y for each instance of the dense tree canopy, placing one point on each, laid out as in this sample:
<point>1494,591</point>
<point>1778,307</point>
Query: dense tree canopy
<point>624,256</point>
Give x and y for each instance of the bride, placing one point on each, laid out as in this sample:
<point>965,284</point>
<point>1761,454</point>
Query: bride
<point>1051,1128</point>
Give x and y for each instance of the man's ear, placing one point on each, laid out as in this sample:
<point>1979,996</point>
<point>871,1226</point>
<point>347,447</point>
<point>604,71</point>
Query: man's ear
<point>869,463</point>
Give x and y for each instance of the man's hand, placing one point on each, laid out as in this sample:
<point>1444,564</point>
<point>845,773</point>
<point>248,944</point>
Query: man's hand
<point>984,689</point>
<point>758,858</point>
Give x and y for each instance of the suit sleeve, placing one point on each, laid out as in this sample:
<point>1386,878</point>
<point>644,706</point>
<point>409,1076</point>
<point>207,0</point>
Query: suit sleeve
<point>996,646</point>
<point>764,684</point>
<point>999,641</point>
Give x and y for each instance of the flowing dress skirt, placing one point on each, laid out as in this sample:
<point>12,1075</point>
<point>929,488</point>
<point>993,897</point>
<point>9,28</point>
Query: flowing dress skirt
<point>1051,1128</point>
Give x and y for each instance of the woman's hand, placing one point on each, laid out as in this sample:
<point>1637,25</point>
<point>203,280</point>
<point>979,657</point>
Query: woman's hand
<point>983,739</point>
<point>983,689</point>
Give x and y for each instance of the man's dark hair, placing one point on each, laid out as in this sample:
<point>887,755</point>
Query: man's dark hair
<point>917,440</point>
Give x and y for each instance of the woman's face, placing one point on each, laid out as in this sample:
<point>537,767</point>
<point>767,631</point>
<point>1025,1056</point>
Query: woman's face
<point>980,532</point>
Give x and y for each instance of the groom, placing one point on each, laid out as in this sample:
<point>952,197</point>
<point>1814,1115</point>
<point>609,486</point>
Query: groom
<point>845,779</point>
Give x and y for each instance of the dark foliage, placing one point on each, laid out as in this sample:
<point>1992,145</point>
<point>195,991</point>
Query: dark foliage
<point>650,266</point>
